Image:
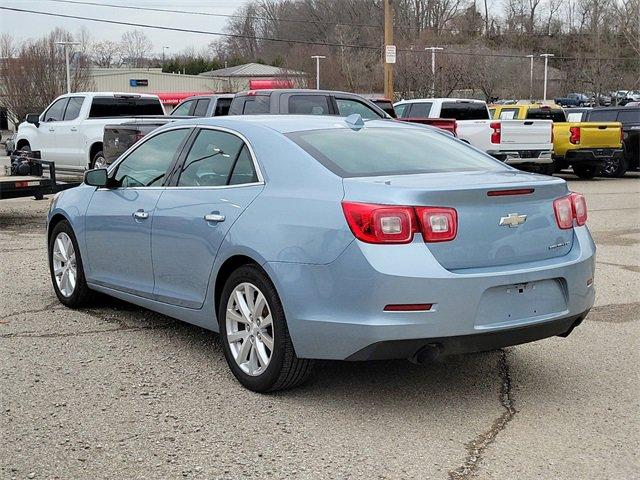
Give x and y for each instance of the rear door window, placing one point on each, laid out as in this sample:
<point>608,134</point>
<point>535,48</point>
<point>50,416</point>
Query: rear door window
<point>464,111</point>
<point>103,107</point>
<point>183,109</point>
<point>73,108</point>
<point>631,116</point>
<point>401,110</point>
<point>420,110</point>
<point>309,105</point>
<point>201,107</point>
<point>256,105</point>
<point>222,107</point>
<point>348,106</point>
<point>55,112</point>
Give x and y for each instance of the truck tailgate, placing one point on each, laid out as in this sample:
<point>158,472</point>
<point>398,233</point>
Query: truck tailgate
<point>528,133</point>
<point>600,134</point>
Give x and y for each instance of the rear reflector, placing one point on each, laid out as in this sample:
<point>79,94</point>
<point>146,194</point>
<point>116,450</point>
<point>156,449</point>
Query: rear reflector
<point>409,307</point>
<point>516,191</point>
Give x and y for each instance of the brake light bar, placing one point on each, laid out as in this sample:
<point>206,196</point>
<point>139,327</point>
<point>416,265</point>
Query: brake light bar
<point>409,307</point>
<point>514,191</point>
<point>391,224</point>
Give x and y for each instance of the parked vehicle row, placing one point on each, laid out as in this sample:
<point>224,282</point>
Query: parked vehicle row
<point>584,146</point>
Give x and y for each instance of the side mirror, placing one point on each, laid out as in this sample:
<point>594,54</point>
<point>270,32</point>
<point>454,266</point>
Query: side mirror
<point>96,177</point>
<point>33,118</point>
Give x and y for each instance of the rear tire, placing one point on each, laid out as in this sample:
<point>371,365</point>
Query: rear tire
<point>615,167</point>
<point>585,172</point>
<point>70,286</point>
<point>253,325</point>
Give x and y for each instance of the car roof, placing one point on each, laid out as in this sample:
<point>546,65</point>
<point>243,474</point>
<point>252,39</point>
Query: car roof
<point>212,95</point>
<point>287,123</point>
<point>423,100</point>
<point>308,91</point>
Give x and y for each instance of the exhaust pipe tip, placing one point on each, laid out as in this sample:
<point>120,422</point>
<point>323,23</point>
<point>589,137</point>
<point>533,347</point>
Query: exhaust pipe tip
<point>426,354</point>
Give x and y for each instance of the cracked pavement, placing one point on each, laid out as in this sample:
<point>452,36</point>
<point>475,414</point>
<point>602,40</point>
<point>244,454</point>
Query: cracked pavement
<point>117,391</point>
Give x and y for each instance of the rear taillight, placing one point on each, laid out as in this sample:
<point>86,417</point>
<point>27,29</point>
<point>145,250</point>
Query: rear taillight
<point>380,223</point>
<point>574,135</point>
<point>495,135</point>
<point>372,223</point>
<point>570,208</point>
<point>437,224</point>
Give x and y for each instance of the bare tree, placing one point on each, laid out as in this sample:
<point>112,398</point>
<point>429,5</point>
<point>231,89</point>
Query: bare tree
<point>135,46</point>
<point>33,73</point>
<point>106,54</point>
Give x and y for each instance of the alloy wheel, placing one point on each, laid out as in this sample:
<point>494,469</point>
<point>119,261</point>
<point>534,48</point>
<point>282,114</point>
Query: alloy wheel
<point>64,264</point>
<point>249,328</point>
<point>100,162</point>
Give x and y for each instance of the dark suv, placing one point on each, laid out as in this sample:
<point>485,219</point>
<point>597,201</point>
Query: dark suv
<point>303,102</point>
<point>630,119</point>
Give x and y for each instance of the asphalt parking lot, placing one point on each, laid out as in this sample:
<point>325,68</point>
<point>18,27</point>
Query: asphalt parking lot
<point>121,392</point>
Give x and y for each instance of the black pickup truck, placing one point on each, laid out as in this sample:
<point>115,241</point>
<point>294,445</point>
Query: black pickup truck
<point>630,119</point>
<point>118,138</point>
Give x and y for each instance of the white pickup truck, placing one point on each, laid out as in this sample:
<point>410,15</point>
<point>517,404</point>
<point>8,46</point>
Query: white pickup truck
<point>526,144</point>
<point>70,130</point>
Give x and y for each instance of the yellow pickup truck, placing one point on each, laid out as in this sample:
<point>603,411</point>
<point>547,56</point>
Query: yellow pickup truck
<point>586,146</point>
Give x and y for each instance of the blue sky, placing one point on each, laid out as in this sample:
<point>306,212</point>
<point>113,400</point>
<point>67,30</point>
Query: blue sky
<point>24,25</point>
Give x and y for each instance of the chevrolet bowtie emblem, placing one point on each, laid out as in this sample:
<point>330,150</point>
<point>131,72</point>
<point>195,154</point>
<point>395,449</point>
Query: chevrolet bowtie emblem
<point>512,220</point>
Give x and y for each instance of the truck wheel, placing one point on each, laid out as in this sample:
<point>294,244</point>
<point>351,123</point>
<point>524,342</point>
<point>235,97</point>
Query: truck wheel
<point>98,161</point>
<point>615,167</point>
<point>585,172</point>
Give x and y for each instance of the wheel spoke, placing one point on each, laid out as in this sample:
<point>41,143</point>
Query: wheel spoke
<point>267,340</point>
<point>248,295</point>
<point>58,256</point>
<point>61,248</point>
<point>237,336</point>
<point>58,271</point>
<point>263,357</point>
<point>242,305</point>
<point>243,353</point>
<point>71,279</point>
<point>258,307</point>
<point>253,360</point>
<point>232,315</point>
<point>64,282</point>
<point>266,322</point>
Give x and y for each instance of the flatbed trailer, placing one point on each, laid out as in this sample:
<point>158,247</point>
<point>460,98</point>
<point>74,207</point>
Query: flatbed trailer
<point>14,186</point>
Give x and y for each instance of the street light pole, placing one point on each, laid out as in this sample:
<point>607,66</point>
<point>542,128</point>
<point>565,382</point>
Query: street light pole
<point>318,57</point>
<point>433,69</point>
<point>531,79</point>
<point>546,60</point>
<point>163,49</point>
<point>66,56</point>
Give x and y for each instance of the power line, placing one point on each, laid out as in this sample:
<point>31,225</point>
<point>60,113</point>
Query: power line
<point>283,40</point>
<point>224,15</point>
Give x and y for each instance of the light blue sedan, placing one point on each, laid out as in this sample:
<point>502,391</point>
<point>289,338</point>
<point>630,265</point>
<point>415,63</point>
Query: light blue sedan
<point>301,238</point>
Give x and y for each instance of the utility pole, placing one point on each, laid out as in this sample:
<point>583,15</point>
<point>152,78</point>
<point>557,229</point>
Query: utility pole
<point>66,56</point>
<point>318,57</point>
<point>388,42</point>
<point>546,60</point>
<point>433,69</point>
<point>531,79</point>
<point>163,49</point>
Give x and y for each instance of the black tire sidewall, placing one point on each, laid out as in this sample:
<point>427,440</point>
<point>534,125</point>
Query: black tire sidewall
<point>79,295</point>
<point>254,274</point>
<point>93,160</point>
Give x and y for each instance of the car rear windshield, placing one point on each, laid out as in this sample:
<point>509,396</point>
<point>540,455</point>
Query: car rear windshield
<point>373,151</point>
<point>124,107</point>
<point>554,114</point>
<point>387,106</point>
<point>464,111</point>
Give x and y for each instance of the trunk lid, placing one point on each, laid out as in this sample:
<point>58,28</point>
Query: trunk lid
<point>527,133</point>
<point>481,240</point>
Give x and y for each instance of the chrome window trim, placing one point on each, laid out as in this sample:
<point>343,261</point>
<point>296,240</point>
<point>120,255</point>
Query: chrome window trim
<point>134,147</point>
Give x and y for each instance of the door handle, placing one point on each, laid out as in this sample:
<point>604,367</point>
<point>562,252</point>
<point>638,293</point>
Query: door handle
<point>141,214</point>
<point>51,129</point>
<point>214,217</point>
<point>74,129</point>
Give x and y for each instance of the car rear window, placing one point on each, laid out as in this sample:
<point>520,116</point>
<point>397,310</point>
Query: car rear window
<point>222,107</point>
<point>422,109</point>
<point>464,111</point>
<point>250,105</point>
<point>124,107</point>
<point>376,151</point>
<point>554,114</point>
<point>309,105</point>
<point>603,115</point>
<point>630,116</point>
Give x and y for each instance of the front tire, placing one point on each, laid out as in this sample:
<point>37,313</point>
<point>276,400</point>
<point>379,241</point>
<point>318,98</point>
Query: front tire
<point>254,334</point>
<point>66,268</point>
<point>585,172</point>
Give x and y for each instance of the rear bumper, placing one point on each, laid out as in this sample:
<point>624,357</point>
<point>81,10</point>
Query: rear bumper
<point>479,342</point>
<point>523,157</point>
<point>595,156</point>
<point>336,311</point>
